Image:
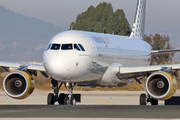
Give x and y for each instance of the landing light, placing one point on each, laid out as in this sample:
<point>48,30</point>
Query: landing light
<point>67,84</point>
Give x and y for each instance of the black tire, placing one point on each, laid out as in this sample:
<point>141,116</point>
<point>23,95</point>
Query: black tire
<point>154,102</point>
<point>66,99</point>
<point>142,99</point>
<point>50,99</point>
<point>71,102</point>
<point>61,98</point>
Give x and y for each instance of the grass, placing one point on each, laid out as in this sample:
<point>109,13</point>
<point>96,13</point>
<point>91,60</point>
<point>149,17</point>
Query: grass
<point>2,75</point>
<point>45,84</point>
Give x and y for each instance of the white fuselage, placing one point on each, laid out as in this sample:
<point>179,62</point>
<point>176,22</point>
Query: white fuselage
<point>66,61</point>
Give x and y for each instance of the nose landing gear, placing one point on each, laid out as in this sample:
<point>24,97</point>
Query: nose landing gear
<point>70,100</point>
<point>62,99</point>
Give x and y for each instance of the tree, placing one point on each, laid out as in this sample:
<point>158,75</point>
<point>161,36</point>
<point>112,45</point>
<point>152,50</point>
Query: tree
<point>159,42</point>
<point>102,19</point>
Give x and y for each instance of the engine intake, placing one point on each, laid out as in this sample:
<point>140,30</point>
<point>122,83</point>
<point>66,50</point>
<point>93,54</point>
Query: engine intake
<point>161,85</point>
<point>18,85</point>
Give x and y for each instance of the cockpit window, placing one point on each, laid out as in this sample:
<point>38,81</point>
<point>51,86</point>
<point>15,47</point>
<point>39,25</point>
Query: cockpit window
<point>82,48</point>
<point>55,46</point>
<point>76,47</point>
<point>66,47</point>
<point>47,48</point>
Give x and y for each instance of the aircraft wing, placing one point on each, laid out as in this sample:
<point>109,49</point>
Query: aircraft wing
<point>154,52</point>
<point>5,64</point>
<point>140,70</point>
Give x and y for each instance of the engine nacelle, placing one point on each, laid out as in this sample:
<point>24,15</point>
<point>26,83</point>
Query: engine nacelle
<point>161,85</point>
<point>19,84</point>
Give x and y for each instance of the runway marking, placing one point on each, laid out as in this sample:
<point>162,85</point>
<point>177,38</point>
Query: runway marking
<point>108,101</point>
<point>97,91</point>
<point>6,101</point>
<point>161,104</point>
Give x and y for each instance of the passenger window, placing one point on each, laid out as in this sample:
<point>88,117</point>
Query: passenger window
<point>82,48</point>
<point>66,47</point>
<point>48,47</point>
<point>76,47</point>
<point>55,47</point>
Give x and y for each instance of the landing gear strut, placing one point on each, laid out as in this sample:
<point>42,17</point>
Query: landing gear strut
<point>52,98</point>
<point>62,99</point>
<point>70,100</point>
<point>144,99</point>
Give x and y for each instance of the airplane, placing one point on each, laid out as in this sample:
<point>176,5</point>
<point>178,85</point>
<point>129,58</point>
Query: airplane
<point>79,58</point>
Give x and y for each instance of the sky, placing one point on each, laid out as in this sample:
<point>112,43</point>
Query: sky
<point>162,16</point>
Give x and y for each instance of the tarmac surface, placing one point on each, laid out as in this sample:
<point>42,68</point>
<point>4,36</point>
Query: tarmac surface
<point>94,104</point>
<point>90,111</point>
<point>87,98</point>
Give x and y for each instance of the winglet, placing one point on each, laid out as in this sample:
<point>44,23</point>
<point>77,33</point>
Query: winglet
<point>139,21</point>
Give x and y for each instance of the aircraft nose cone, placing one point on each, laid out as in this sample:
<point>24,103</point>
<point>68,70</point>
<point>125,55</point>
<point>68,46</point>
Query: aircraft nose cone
<point>57,67</point>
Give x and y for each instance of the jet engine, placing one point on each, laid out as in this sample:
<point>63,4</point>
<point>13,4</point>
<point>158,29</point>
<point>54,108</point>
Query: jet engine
<point>161,85</point>
<point>19,84</point>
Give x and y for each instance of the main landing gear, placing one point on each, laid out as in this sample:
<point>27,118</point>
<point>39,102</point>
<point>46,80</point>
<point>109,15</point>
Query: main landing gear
<point>62,99</point>
<point>144,99</point>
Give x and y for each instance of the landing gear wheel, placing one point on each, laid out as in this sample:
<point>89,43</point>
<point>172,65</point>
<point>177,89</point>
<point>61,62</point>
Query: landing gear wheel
<point>154,102</point>
<point>66,100</point>
<point>69,102</point>
<point>61,99</point>
<point>142,99</point>
<point>50,99</point>
<point>73,101</point>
